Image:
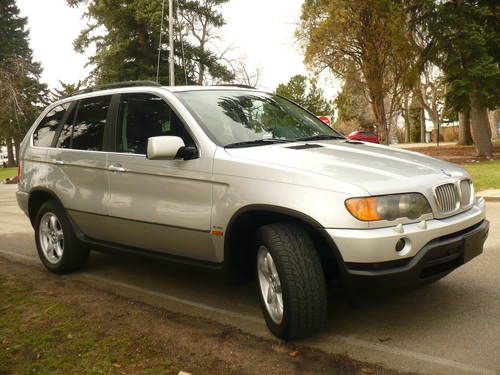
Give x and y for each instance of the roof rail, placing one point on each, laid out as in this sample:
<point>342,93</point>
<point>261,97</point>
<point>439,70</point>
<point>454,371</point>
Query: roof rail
<point>236,85</point>
<point>116,85</point>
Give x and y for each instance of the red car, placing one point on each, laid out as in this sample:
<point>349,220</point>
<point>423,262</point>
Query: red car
<point>363,136</point>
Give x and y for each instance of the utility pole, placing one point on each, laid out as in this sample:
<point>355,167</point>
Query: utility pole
<point>171,41</point>
<point>160,45</point>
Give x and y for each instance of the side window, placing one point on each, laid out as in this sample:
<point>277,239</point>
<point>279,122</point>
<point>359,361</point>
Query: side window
<point>45,131</point>
<point>88,128</point>
<point>64,140</point>
<point>141,116</point>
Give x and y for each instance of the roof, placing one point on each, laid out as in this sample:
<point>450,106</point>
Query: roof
<point>149,84</point>
<point>127,87</point>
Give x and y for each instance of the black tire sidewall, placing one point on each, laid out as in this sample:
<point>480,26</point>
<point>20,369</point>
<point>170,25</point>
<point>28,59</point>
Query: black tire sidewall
<point>281,329</point>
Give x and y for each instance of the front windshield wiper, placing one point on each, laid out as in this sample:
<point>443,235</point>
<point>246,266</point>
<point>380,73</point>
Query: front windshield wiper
<point>319,137</point>
<point>256,142</point>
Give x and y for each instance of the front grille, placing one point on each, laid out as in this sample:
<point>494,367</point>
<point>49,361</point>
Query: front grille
<point>466,192</point>
<point>447,198</point>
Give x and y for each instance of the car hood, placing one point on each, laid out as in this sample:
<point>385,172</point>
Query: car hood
<point>375,168</point>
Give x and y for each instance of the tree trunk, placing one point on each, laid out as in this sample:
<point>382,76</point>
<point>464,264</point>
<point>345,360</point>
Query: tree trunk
<point>464,133</point>
<point>493,123</point>
<point>422,126</point>
<point>406,116</point>
<point>480,126</point>
<point>10,153</point>
<point>201,75</point>
<point>378,108</point>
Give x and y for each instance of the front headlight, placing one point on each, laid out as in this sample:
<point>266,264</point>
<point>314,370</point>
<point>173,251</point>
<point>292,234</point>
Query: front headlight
<point>388,207</point>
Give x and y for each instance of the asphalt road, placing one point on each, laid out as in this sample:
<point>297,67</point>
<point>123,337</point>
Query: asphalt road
<point>450,327</point>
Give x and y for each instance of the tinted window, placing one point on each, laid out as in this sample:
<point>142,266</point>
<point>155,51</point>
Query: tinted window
<point>142,116</point>
<point>44,133</point>
<point>64,140</point>
<point>88,129</point>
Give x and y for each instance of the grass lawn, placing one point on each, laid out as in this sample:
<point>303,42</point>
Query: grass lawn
<point>485,174</point>
<point>7,173</point>
<point>40,335</point>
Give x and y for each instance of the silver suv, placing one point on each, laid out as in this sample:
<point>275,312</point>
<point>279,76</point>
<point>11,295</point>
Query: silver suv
<point>245,181</point>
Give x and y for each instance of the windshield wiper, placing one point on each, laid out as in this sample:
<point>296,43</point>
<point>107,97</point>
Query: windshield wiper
<point>257,142</point>
<point>319,137</point>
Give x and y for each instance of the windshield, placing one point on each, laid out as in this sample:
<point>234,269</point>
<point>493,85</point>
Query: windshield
<point>247,118</point>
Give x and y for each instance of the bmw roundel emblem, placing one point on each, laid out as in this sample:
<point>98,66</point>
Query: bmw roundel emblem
<point>446,173</point>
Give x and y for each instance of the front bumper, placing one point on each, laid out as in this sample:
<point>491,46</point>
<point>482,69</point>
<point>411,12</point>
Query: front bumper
<point>379,244</point>
<point>436,259</point>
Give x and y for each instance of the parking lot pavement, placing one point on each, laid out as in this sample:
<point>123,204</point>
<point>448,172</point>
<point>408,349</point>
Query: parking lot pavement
<point>450,327</point>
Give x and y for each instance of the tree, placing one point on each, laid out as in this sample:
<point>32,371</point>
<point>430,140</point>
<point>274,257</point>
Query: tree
<point>198,19</point>
<point>65,90</point>
<point>125,34</point>
<point>369,36</point>
<point>462,38</point>
<point>306,93</point>
<point>243,75</point>
<point>431,94</point>
<point>21,93</point>
<point>464,131</point>
<point>353,108</point>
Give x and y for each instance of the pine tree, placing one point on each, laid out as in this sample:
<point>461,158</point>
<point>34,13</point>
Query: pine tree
<point>21,93</point>
<point>126,36</point>
<point>305,92</point>
<point>65,90</point>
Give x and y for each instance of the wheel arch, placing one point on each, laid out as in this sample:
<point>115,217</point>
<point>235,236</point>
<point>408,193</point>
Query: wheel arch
<point>242,226</point>
<point>37,197</point>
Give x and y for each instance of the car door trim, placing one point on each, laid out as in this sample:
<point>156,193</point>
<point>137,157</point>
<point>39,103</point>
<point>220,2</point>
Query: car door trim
<point>139,221</point>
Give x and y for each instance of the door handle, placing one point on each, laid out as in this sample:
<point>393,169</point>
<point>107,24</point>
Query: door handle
<point>59,161</point>
<point>116,168</point>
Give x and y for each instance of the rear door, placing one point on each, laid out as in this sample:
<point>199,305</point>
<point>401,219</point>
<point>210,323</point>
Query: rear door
<point>79,164</point>
<point>159,205</point>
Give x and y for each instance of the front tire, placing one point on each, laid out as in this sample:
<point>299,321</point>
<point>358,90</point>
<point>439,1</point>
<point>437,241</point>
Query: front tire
<point>291,281</point>
<point>58,248</point>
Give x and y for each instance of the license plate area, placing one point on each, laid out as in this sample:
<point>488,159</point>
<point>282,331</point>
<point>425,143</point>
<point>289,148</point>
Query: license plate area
<point>473,244</point>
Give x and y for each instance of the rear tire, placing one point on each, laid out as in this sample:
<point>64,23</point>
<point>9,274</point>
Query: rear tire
<point>293,268</point>
<point>58,248</point>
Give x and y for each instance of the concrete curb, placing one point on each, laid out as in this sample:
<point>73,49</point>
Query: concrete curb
<point>491,199</point>
<point>490,195</point>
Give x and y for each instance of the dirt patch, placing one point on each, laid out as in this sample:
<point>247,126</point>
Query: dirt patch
<point>456,154</point>
<point>50,324</point>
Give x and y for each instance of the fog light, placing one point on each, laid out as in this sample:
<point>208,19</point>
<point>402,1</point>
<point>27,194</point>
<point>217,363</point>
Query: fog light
<point>400,245</point>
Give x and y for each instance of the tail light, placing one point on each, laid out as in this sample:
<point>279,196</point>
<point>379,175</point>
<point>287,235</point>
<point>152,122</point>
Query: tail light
<point>19,172</point>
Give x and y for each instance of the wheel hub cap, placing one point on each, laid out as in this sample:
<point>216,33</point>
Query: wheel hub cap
<point>270,284</point>
<point>51,238</point>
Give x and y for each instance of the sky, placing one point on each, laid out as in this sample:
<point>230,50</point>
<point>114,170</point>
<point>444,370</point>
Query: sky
<point>259,31</point>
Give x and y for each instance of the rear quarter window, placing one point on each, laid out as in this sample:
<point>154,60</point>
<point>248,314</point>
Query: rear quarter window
<point>46,130</point>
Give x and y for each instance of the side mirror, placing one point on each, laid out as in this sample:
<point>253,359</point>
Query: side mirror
<point>169,148</point>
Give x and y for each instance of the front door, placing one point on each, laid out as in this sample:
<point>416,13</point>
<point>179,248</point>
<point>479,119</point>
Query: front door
<point>159,205</point>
